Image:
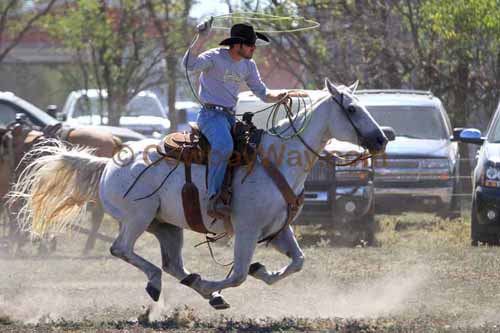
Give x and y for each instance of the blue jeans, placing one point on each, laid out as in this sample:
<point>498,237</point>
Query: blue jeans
<point>216,126</point>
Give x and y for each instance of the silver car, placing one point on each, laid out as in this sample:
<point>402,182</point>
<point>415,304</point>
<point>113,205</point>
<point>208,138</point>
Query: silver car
<point>144,113</point>
<point>420,168</point>
<point>12,106</point>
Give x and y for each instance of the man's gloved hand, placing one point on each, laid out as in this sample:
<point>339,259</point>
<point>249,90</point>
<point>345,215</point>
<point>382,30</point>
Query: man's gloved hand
<point>204,27</point>
<point>281,97</point>
<point>297,93</point>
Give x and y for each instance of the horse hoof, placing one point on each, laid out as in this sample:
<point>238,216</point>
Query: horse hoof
<point>255,267</point>
<point>190,279</point>
<point>153,292</point>
<point>218,303</point>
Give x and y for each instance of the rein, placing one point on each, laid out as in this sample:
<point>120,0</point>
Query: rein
<point>297,133</point>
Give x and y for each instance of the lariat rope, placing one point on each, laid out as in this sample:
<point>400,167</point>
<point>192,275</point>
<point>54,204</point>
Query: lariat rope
<point>294,23</point>
<point>267,19</point>
<point>286,102</point>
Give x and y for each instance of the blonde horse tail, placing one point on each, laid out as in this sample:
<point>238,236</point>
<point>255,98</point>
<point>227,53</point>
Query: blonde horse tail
<point>53,191</point>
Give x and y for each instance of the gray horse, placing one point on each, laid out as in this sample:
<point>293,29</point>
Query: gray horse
<point>57,187</point>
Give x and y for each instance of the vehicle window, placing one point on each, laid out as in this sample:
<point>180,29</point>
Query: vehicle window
<point>139,106</point>
<point>494,132</point>
<point>419,122</point>
<point>86,106</point>
<point>144,106</point>
<point>7,114</point>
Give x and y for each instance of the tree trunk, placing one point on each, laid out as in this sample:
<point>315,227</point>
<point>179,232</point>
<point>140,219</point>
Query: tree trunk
<point>116,105</point>
<point>461,117</point>
<point>172,91</point>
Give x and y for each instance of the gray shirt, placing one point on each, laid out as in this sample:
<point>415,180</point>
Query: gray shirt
<point>221,76</point>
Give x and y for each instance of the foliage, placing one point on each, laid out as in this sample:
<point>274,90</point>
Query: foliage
<point>17,17</point>
<point>354,41</point>
<point>469,34</point>
<point>449,47</point>
<point>114,45</point>
<point>171,21</point>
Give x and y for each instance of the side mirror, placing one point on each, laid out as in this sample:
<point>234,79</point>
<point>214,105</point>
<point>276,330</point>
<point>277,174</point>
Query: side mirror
<point>389,132</point>
<point>469,135</point>
<point>52,110</point>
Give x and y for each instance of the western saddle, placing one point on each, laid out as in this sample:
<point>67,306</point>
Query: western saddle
<point>193,148</point>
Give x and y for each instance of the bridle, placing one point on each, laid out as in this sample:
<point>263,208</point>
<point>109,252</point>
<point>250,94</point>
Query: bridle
<point>361,157</point>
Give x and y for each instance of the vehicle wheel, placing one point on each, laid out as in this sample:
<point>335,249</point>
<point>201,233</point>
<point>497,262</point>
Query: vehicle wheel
<point>367,229</point>
<point>478,236</point>
<point>474,234</point>
<point>453,210</point>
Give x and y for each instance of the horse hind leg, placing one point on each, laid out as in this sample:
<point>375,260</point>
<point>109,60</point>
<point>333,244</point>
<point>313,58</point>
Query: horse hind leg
<point>171,239</point>
<point>123,248</point>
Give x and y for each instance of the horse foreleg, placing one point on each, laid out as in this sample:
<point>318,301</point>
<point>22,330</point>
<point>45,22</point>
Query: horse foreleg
<point>286,243</point>
<point>244,248</point>
<point>123,248</point>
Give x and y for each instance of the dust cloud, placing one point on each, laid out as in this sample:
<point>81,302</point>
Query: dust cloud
<point>322,298</point>
<point>303,295</point>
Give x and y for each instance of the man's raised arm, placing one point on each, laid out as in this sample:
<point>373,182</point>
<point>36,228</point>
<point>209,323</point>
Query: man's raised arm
<point>193,61</point>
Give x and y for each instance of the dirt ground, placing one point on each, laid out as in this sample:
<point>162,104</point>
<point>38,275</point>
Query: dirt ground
<point>423,276</point>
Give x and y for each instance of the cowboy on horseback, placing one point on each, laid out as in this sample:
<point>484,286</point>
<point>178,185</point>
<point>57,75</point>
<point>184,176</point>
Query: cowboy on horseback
<point>222,71</point>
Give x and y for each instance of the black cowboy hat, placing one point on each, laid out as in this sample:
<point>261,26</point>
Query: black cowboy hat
<point>243,33</point>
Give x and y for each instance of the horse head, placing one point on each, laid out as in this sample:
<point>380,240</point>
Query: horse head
<point>368,133</point>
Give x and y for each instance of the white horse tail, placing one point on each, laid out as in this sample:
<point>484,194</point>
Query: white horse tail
<point>54,189</point>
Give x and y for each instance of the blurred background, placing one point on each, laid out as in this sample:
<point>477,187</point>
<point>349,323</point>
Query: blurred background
<point>49,48</point>
<point>67,53</point>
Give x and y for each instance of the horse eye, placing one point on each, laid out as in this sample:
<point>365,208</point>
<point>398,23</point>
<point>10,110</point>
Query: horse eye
<point>351,109</point>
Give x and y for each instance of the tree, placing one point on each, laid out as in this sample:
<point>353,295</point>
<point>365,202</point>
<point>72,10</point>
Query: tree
<point>468,34</point>
<point>114,45</point>
<point>17,19</point>
<point>356,40</point>
<point>171,21</point>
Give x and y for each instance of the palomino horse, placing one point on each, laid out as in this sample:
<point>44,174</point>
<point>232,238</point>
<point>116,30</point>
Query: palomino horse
<point>20,137</point>
<point>57,186</point>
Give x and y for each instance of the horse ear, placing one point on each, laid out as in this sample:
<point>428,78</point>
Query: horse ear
<point>332,88</point>
<point>354,86</point>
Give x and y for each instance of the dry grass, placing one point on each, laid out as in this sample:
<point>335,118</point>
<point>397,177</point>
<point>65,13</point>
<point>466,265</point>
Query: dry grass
<point>422,277</point>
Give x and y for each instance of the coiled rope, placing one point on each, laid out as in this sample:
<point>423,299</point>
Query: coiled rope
<point>286,103</point>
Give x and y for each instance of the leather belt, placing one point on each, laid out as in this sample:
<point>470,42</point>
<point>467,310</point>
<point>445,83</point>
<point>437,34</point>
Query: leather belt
<point>215,107</point>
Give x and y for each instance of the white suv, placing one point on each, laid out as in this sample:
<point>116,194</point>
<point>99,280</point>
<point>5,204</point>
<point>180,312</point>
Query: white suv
<point>144,113</point>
